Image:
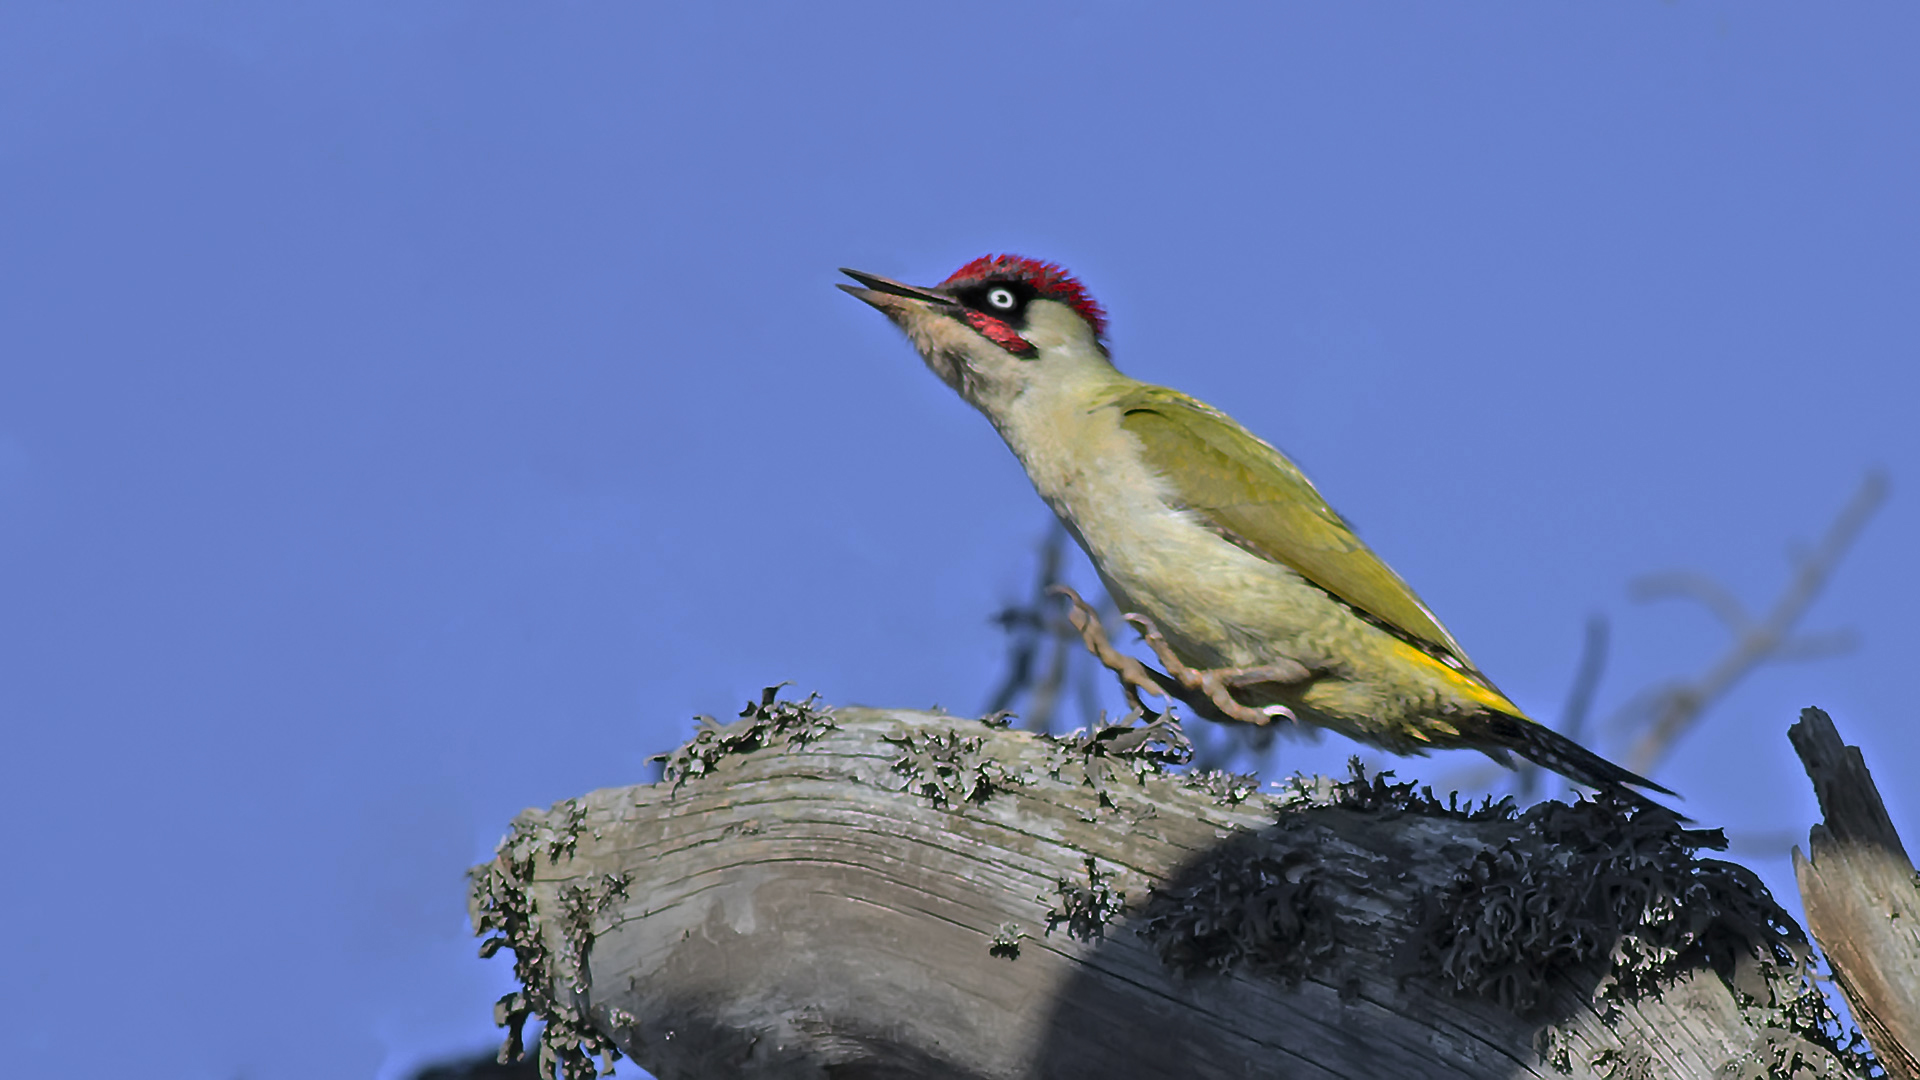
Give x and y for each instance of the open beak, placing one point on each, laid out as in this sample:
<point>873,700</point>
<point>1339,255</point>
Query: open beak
<point>890,296</point>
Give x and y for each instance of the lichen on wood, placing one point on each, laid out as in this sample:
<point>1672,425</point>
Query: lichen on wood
<point>815,892</point>
<point>548,943</point>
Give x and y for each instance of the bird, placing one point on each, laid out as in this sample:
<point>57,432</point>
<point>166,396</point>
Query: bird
<point>1259,599</point>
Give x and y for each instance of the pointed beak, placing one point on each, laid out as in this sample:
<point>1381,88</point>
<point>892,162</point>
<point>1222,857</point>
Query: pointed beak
<point>893,297</point>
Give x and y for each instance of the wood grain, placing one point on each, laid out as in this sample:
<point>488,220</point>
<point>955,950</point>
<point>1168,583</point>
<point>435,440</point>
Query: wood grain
<point>844,905</point>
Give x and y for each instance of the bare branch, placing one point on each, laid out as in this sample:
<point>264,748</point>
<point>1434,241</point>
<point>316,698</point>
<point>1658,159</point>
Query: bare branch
<point>1685,584</point>
<point>1034,627</point>
<point>1676,709</point>
<point>1821,646</point>
<point>1586,679</point>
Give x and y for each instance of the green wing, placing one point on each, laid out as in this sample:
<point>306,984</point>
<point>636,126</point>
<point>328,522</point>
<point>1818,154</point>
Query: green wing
<point>1252,495</point>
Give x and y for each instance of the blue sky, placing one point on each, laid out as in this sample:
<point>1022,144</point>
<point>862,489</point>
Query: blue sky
<point>413,413</point>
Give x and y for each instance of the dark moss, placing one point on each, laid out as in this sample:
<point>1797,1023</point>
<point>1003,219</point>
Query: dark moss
<point>1256,904</point>
<point>1620,887</point>
<point>1381,795</point>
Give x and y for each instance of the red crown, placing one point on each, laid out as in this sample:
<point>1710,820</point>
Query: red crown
<point>1046,278</point>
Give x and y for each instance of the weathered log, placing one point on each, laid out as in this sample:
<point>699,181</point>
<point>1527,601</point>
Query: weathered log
<point>870,893</point>
<point>1861,896</point>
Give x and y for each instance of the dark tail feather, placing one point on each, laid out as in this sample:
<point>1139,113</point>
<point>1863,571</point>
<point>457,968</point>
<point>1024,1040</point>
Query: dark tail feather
<point>1549,749</point>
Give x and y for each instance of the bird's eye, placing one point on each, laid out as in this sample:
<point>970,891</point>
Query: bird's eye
<point>1002,298</point>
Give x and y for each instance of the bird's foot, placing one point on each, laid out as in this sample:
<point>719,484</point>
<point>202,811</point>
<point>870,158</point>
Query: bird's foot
<point>1208,692</point>
<point>1217,684</point>
<point>1134,675</point>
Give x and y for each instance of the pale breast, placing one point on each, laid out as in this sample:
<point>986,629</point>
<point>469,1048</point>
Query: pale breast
<point>1218,604</point>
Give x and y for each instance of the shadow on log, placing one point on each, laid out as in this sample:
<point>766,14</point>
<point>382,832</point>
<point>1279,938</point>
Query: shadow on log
<point>863,893</point>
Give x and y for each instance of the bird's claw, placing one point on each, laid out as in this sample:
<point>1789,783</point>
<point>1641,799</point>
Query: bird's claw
<point>1218,684</point>
<point>1208,691</point>
<point>1134,675</point>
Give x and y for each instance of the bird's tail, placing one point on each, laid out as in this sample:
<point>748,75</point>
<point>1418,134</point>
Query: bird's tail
<point>1549,749</point>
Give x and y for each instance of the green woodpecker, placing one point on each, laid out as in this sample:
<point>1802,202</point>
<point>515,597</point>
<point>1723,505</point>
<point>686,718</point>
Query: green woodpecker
<point>1255,594</point>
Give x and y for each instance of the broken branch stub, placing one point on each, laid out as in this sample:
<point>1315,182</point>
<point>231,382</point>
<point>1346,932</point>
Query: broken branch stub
<point>873,893</point>
<point>1861,896</point>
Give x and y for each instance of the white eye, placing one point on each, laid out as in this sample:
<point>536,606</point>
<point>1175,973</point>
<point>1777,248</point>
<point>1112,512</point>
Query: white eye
<point>1002,298</point>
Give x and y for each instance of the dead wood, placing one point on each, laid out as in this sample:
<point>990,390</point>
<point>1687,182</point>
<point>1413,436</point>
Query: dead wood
<point>873,893</point>
<point>1862,900</point>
